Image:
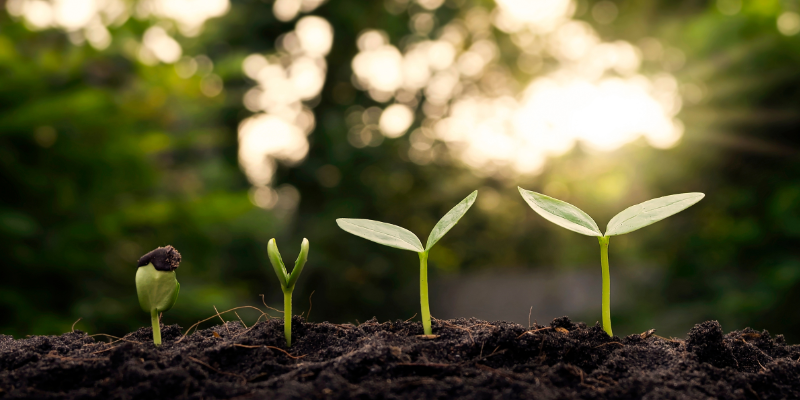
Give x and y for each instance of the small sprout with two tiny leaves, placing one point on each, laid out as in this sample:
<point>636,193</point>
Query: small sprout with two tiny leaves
<point>157,285</point>
<point>401,238</point>
<point>287,281</point>
<point>632,218</point>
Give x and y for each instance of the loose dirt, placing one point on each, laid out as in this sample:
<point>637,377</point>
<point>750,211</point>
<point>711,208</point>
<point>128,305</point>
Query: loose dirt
<point>469,359</point>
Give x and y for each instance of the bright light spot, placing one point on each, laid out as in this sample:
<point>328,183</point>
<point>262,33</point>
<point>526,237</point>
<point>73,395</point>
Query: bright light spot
<point>729,7</point>
<point>430,4</point>
<point>253,64</point>
<point>315,35</point>
<point>278,131</point>
<point>537,15</point>
<point>286,10</point>
<point>189,14</point>
<point>161,45</point>
<point>98,35</point>
<point>264,139</point>
<point>371,40</point>
<point>74,14</point>
<point>38,13</point>
<point>380,68</point>
<point>592,91</point>
<point>441,55</point>
<point>395,120</point>
<point>82,19</point>
<point>307,77</point>
<point>789,23</point>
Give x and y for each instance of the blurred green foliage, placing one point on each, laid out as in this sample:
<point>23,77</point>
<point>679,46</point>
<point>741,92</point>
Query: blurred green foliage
<point>103,158</point>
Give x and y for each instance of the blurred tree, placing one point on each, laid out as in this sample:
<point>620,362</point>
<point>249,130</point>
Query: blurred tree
<point>104,156</point>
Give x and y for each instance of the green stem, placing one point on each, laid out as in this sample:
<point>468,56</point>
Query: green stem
<point>156,327</point>
<point>287,316</point>
<point>606,284</point>
<point>423,292</point>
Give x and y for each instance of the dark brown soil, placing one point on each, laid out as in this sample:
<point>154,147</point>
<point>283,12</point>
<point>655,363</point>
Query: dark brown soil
<point>470,359</point>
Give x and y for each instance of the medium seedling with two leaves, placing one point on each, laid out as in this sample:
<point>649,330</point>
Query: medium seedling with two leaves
<point>401,238</point>
<point>632,218</point>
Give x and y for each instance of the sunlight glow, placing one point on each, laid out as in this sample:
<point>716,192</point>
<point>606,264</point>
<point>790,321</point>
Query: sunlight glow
<point>278,131</point>
<point>472,104</point>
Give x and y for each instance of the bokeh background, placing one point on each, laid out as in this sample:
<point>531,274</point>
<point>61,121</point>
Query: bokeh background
<point>215,125</point>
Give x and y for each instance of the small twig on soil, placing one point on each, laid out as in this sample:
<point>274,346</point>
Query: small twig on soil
<point>76,359</point>
<point>244,380</point>
<point>265,305</point>
<point>270,347</point>
<point>532,331</point>
<point>606,344</point>
<point>251,327</point>
<point>412,317</point>
<point>223,321</point>
<point>240,320</point>
<point>310,304</point>
<point>435,365</point>
<point>494,353</point>
<point>73,324</point>
<point>529,317</point>
<point>115,337</point>
<point>215,316</point>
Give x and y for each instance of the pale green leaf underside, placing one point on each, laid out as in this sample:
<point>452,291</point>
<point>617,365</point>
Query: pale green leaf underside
<point>156,289</point>
<point>381,232</point>
<point>561,213</point>
<point>450,219</point>
<point>649,212</point>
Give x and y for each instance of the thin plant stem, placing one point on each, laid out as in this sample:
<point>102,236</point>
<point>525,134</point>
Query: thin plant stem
<point>156,327</point>
<point>287,316</point>
<point>423,292</point>
<point>606,284</point>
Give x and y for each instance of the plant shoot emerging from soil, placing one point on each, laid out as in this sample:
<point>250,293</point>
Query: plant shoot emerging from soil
<point>156,284</point>
<point>401,238</point>
<point>632,218</point>
<point>287,281</point>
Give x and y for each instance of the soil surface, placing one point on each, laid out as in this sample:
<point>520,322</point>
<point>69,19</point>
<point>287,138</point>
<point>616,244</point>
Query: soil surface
<point>469,359</point>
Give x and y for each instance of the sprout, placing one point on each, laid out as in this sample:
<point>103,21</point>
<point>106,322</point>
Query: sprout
<point>157,285</point>
<point>632,218</point>
<point>287,281</point>
<point>401,238</point>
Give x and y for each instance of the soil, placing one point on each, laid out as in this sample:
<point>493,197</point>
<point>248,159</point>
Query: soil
<point>469,359</point>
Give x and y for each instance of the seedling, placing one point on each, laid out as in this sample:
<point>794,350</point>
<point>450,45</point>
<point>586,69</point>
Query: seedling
<point>156,284</point>
<point>287,281</point>
<point>401,238</point>
<point>632,218</point>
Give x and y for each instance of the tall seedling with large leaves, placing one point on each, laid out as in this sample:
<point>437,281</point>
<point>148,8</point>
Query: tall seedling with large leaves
<point>401,238</point>
<point>632,218</point>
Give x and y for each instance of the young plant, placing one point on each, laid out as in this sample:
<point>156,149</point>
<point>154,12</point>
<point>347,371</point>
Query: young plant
<point>401,238</point>
<point>632,218</point>
<point>287,281</point>
<point>156,284</point>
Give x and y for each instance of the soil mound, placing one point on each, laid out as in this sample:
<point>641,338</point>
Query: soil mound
<point>470,359</point>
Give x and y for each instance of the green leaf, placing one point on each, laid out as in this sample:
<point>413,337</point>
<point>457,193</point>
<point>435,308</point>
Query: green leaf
<point>157,290</point>
<point>450,219</point>
<point>277,262</point>
<point>381,232</point>
<point>299,263</point>
<point>561,213</point>
<point>649,212</point>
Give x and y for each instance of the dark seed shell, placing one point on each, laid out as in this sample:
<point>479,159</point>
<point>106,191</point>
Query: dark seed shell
<point>163,258</point>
